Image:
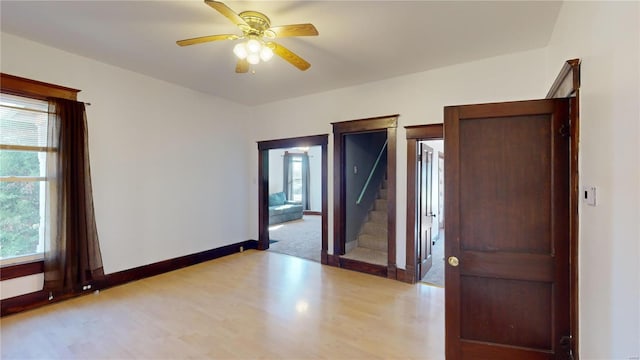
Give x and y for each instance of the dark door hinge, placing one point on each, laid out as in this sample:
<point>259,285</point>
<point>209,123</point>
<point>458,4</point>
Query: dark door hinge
<point>565,130</point>
<point>566,345</point>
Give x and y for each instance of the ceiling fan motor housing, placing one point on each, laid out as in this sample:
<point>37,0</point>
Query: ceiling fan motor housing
<point>257,21</point>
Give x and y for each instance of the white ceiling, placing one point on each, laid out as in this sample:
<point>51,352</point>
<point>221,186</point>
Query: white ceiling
<point>359,41</point>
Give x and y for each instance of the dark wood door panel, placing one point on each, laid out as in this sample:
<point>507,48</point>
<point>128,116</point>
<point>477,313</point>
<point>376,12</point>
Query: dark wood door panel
<point>504,177</point>
<point>507,312</point>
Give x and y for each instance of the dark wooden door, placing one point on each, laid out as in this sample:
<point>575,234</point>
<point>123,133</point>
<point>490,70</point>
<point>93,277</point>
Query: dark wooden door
<point>507,193</point>
<point>425,221</point>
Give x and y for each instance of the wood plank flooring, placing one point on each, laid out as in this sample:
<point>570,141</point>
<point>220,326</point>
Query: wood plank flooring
<point>248,305</point>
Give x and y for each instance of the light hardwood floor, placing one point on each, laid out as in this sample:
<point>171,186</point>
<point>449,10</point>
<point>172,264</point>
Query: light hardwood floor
<point>248,305</point>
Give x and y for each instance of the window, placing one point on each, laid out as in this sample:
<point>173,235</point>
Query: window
<point>296,178</point>
<point>23,182</point>
<point>295,182</point>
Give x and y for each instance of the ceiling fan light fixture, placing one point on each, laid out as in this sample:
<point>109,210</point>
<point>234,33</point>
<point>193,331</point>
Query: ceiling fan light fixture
<point>254,46</point>
<point>257,36</point>
<point>240,50</point>
<point>253,59</point>
<point>266,53</point>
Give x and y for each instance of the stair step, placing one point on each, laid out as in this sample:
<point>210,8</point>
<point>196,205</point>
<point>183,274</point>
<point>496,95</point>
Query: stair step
<point>381,205</point>
<point>378,216</point>
<point>367,255</point>
<point>373,242</point>
<point>375,228</point>
<point>382,194</point>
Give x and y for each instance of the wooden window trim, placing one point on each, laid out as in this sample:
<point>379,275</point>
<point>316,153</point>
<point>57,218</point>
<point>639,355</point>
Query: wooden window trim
<point>15,85</point>
<point>21,269</point>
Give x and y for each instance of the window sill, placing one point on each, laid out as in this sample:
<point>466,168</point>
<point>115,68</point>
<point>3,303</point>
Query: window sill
<point>25,268</point>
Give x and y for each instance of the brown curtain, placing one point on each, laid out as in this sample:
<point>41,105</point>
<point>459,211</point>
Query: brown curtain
<point>306,196</point>
<point>72,254</point>
<point>287,175</point>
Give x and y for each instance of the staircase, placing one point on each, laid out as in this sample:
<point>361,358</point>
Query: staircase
<point>371,245</point>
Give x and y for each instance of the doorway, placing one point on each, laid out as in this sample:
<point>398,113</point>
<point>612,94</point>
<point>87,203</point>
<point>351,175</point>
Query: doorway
<point>364,193</point>
<point>292,185</point>
<point>425,204</point>
<point>482,326</point>
<point>295,201</point>
<point>430,212</point>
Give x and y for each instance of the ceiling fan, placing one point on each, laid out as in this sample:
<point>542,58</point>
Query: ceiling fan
<point>259,34</point>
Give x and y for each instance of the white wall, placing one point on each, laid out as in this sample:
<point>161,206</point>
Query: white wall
<point>418,98</point>
<point>605,35</point>
<point>276,169</point>
<point>169,175</point>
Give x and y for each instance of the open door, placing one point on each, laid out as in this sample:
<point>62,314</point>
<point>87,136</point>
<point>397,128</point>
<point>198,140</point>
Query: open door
<point>441,193</point>
<point>426,215</point>
<point>507,249</point>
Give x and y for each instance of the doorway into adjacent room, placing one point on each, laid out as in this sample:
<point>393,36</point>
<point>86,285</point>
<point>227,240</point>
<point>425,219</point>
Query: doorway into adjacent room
<point>431,211</point>
<point>364,175</point>
<point>425,204</point>
<point>295,201</point>
<point>292,194</point>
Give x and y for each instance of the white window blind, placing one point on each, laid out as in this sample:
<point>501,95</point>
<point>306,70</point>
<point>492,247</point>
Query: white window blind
<point>23,121</point>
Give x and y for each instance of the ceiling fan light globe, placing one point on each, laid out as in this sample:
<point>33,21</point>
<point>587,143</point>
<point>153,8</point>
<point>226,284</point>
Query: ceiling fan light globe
<point>254,46</point>
<point>253,59</point>
<point>240,51</point>
<point>266,53</point>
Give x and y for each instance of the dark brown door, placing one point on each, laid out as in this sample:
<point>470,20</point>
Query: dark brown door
<point>425,221</point>
<point>507,193</point>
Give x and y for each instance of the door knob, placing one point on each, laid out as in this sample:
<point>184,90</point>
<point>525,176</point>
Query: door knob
<point>453,261</point>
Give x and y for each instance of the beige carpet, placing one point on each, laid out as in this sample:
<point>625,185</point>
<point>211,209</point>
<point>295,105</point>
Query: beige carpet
<point>301,238</point>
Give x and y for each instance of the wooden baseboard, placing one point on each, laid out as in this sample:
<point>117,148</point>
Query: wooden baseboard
<point>39,298</point>
<point>392,272</point>
<point>311,212</point>
<point>360,266</point>
<point>404,276</point>
<point>355,265</point>
<point>161,267</point>
<point>333,260</point>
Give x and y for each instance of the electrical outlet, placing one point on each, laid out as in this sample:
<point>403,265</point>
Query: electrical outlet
<point>241,248</point>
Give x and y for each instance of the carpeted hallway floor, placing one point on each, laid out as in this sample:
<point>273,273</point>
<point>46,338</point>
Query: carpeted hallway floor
<point>435,275</point>
<point>301,238</point>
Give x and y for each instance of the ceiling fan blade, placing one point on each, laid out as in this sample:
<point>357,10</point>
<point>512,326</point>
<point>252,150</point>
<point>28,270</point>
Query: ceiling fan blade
<point>242,66</point>
<point>295,30</point>
<point>227,12</point>
<point>203,39</point>
<point>289,56</point>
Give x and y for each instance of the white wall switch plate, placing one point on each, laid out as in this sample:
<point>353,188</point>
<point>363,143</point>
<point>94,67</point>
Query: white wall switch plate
<point>589,195</point>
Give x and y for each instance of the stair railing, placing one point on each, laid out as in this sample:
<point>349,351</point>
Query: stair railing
<point>375,166</point>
